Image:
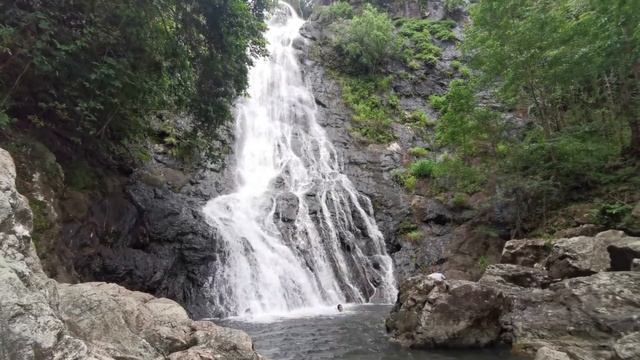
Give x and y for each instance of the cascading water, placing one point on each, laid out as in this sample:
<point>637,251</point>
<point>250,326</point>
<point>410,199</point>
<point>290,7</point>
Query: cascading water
<point>295,233</point>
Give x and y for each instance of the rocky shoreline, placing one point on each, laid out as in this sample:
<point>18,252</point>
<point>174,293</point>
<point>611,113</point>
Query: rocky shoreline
<point>41,318</point>
<point>573,298</point>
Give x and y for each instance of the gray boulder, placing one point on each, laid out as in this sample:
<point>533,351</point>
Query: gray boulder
<point>430,210</point>
<point>624,252</point>
<point>516,275</point>
<point>42,319</point>
<point>465,315</point>
<point>525,252</point>
<point>581,255</point>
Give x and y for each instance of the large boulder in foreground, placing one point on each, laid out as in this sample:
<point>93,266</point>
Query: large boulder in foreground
<point>591,317</point>
<point>42,319</point>
<point>465,315</point>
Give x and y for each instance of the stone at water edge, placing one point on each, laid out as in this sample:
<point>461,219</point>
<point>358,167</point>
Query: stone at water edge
<point>465,316</point>
<point>546,353</point>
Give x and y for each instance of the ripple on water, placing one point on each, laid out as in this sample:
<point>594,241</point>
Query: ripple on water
<point>357,333</point>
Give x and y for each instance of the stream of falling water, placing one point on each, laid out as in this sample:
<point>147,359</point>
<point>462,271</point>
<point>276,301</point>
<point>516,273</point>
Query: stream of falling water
<point>296,236</point>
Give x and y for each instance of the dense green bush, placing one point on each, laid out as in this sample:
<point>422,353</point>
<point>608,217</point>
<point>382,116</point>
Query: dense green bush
<point>570,62</point>
<point>422,168</point>
<point>442,30</point>
<point>612,214</point>
<point>418,152</point>
<point>453,174</point>
<point>366,41</point>
<point>94,71</point>
<point>405,178</point>
<point>418,47</point>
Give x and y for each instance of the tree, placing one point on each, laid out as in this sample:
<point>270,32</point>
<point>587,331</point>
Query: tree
<point>94,71</point>
<point>572,61</point>
<point>367,40</point>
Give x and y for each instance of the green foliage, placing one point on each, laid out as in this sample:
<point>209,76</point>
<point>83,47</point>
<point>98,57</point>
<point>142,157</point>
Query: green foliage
<point>548,244</point>
<point>374,106</point>
<point>41,221</point>
<point>418,152</point>
<point>366,41</point>
<point>80,176</point>
<point>483,263</point>
<point>454,174</point>
<point>340,10</point>
<point>468,128</point>
<point>460,200</point>
<point>442,30</point>
<point>459,67</point>
<point>407,226</point>
<point>574,157</point>
<point>422,168</point>
<point>96,70</point>
<point>418,47</point>
<point>404,178</point>
<point>612,214</point>
<point>570,62</point>
<point>5,120</point>
<point>410,182</point>
<point>414,236</point>
<point>419,120</point>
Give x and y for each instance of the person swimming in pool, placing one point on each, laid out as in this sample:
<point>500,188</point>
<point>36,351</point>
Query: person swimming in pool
<point>340,307</point>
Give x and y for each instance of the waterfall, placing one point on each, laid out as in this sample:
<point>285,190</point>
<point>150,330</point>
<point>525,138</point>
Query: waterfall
<point>295,234</point>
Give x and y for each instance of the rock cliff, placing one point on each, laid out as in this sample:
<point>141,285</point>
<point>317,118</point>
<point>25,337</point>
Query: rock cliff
<point>44,319</point>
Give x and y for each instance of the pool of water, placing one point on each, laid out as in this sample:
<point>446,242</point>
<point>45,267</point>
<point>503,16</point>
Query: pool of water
<point>356,333</point>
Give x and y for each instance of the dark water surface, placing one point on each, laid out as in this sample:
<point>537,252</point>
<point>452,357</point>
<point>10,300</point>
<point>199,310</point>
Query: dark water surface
<point>357,333</point>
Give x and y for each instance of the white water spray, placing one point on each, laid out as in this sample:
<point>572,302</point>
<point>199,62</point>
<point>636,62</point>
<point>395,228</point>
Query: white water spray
<point>295,234</point>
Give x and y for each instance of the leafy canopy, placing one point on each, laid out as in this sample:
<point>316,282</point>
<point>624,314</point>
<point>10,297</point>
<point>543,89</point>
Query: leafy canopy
<point>96,70</point>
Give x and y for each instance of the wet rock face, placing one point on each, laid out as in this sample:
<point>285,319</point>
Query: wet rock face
<point>40,318</point>
<point>143,230</point>
<point>370,166</point>
<point>464,315</point>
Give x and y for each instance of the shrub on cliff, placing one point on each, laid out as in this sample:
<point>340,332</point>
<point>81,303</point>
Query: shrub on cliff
<point>366,41</point>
